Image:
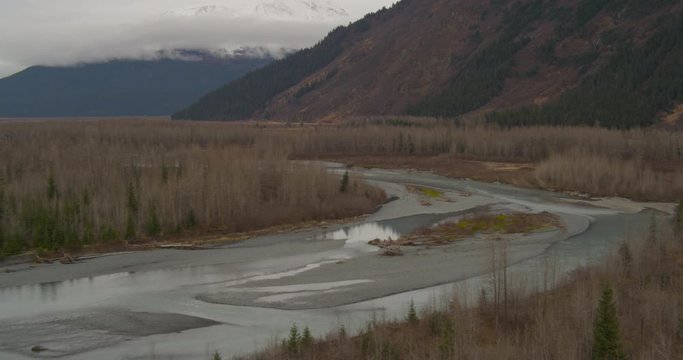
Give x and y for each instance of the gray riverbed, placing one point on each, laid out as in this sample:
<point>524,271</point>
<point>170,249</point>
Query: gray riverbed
<point>171,304</point>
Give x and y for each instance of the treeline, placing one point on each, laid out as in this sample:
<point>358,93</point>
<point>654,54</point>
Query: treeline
<point>412,136</point>
<point>64,185</point>
<point>645,164</point>
<point>70,184</point>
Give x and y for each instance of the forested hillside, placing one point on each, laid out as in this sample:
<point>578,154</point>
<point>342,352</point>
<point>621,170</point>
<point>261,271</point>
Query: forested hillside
<point>632,89</point>
<point>607,62</point>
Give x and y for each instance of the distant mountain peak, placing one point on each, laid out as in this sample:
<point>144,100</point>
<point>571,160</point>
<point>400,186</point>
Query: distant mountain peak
<point>288,10</point>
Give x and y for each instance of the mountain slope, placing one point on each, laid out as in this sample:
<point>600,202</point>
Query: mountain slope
<point>466,57</point>
<point>118,88</point>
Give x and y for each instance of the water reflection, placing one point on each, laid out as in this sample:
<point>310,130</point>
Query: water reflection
<point>119,288</point>
<point>358,236</point>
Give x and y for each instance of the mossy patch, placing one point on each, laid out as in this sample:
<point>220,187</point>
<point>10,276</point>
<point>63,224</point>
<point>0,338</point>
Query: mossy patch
<point>427,192</point>
<point>469,226</point>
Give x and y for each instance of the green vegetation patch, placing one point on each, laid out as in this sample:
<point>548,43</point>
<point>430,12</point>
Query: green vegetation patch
<point>514,223</point>
<point>426,192</point>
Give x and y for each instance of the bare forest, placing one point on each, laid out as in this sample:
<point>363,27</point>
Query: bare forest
<point>639,163</point>
<point>66,184</point>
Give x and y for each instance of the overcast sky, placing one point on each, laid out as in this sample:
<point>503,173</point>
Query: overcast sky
<point>63,32</point>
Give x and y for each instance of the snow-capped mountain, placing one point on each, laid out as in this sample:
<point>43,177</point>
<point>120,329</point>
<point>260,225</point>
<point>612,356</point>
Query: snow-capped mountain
<point>288,10</point>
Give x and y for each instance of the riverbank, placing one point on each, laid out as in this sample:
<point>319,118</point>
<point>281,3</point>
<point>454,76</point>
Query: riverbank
<point>322,277</point>
<point>514,321</point>
<point>124,184</point>
<point>544,175</point>
<point>515,174</point>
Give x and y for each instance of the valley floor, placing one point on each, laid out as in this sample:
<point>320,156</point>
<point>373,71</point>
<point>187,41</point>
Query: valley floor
<point>645,275</point>
<point>253,291</point>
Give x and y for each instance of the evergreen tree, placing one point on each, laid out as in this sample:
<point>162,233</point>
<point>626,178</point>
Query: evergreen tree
<point>132,206</point>
<point>412,313</point>
<point>216,356</point>
<point>152,226</point>
<point>607,342</point>
<point>344,182</point>
<point>191,220</point>
<point>293,340</point>
<point>132,200</point>
<point>164,172</point>
<point>306,338</point>
<point>342,331</point>
<point>130,227</point>
<point>652,232</point>
<point>51,187</point>
<point>447,341</point>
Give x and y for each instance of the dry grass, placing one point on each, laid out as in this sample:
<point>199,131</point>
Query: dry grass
<point>647,278</point>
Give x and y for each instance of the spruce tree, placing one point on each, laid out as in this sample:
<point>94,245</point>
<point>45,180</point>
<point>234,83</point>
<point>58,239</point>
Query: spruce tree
<point>342,332</point>
<point>412,313</point>
<point>447,341</point>
<point>293,340</point>
<point>607,342</point>
<point>152,226</point>
<point>130,227</point>
<point>51,187</point>
<point>132,206</point>
<point>344,183</point>
<point>306,338</point>
<point>132,203</point>
<point>191,220</point>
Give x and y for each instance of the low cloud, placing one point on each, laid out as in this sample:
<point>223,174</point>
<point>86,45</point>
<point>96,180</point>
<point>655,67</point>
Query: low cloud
<point>65,32</point>
<point>145,40</point>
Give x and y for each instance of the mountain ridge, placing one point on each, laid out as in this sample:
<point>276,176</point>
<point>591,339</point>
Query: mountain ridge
<point>121,87</point>
<point>468,58</point>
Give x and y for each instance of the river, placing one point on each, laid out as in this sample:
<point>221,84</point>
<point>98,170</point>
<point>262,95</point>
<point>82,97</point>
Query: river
<point>237,298</point>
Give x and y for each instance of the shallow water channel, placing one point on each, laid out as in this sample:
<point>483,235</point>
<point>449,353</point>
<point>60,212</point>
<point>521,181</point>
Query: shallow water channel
<point>171,304</point>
